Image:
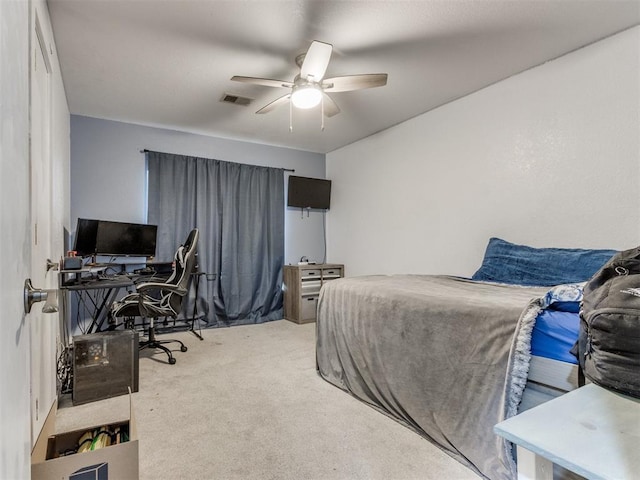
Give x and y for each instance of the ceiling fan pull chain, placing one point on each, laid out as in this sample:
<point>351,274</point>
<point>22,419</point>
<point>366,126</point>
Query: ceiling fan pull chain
<point>290,117</point>
<point>322,113</point>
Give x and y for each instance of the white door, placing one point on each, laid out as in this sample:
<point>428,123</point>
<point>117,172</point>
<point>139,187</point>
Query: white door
<point>14,239</point>
<point>42,327</point>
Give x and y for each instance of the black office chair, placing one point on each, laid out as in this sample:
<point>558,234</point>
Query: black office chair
<point>152,300</point>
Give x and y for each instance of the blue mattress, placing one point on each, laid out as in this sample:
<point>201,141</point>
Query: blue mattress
<point>554,334</point>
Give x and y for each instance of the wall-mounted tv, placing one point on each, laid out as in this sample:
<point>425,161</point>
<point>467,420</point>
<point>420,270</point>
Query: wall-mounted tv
<point>307,192</point>
<point>126,239</point>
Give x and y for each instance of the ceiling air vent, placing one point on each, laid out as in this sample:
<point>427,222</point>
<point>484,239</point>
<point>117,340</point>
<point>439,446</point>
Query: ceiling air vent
<point>236,99</point>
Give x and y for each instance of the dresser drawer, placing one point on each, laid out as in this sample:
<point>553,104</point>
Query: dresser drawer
<point>310,273</point>
<point>310,286</point>
<point>308,307</point>
<point>331,273</point>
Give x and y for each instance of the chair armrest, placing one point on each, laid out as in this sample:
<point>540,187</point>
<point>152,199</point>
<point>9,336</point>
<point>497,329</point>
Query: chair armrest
<point>145,287</point>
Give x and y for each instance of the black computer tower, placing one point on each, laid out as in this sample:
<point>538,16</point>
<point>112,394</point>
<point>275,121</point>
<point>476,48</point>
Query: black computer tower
<point>105,365</point>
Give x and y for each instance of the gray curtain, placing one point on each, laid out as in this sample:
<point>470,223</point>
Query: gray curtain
<point>239,210</point>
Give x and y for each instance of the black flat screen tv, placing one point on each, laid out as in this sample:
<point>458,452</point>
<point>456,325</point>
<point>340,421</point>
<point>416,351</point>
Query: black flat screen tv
<point>126,239</point>
<point>307,192</point>
<point>85,243</point>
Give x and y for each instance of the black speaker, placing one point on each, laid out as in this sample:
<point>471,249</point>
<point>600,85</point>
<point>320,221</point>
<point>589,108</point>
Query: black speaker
<point>105,365</point>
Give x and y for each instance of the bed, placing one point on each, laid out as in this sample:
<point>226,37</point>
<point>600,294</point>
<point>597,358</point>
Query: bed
<point>450,357</point>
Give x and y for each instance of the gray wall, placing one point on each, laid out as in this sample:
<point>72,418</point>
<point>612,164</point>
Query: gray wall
<point>108,174</point>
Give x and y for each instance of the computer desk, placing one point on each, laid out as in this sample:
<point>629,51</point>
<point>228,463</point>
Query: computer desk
<point>95,294</point>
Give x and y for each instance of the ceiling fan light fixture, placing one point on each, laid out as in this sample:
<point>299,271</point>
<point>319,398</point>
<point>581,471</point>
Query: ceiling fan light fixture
<point>306,96</point>
<point>310,87</point>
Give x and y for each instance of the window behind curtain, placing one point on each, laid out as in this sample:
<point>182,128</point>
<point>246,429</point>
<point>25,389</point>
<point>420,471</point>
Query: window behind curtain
<point>239,210</point>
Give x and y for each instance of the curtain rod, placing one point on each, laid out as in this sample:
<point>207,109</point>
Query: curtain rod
<point>285,169</point>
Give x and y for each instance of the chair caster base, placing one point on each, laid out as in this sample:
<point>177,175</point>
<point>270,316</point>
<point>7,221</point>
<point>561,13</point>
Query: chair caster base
<point>152,343</point>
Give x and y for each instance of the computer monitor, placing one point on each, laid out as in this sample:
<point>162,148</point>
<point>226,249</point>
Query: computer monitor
<point>85,242</point>
<point>126,239</point>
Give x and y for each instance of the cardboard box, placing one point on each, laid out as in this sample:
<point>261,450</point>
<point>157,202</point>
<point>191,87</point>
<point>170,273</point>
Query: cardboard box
<point>113,462</point>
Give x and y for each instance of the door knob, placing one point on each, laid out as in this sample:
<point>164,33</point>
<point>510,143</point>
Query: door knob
<point>52,265</point>
<point>34,295</point>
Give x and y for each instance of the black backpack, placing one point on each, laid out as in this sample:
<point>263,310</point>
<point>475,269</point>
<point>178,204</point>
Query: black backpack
<point>608,346</point>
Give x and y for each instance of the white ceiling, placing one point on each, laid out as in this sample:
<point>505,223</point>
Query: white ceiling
<point>167,63</point>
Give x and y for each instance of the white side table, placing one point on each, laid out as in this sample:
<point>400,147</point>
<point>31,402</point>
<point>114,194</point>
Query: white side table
<point>591,431</point>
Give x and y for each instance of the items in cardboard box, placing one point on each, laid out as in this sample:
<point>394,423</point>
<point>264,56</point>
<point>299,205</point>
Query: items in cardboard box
<point>98,438</point>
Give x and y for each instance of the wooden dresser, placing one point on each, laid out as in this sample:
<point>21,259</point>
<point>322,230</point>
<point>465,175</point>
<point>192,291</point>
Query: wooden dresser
<point>302,284</point>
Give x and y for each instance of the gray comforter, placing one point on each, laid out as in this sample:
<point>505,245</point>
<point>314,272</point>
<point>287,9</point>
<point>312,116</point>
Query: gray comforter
<point>445,356</point>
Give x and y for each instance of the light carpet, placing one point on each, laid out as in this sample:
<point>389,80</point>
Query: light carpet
<point>247,403</point>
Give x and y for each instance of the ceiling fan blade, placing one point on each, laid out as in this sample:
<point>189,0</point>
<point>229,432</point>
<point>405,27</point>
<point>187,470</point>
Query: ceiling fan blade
<point>348,83</point>
<point>267,82</point>
<point>330,108</point>
<point>316,61</point>
<point>275,104</point>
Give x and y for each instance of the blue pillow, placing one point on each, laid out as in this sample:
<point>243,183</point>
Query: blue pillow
<point>506,262</point>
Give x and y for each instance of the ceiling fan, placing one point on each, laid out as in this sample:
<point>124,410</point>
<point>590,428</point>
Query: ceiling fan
<point>309,88</point>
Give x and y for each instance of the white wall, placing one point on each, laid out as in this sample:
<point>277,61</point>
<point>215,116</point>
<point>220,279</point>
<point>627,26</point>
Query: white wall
<point>46,333</point>
<point>108,173</point>
<point>549,157</point>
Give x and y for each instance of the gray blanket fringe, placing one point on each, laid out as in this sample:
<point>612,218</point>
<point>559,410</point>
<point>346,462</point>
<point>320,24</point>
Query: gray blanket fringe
<point>518,367</point>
